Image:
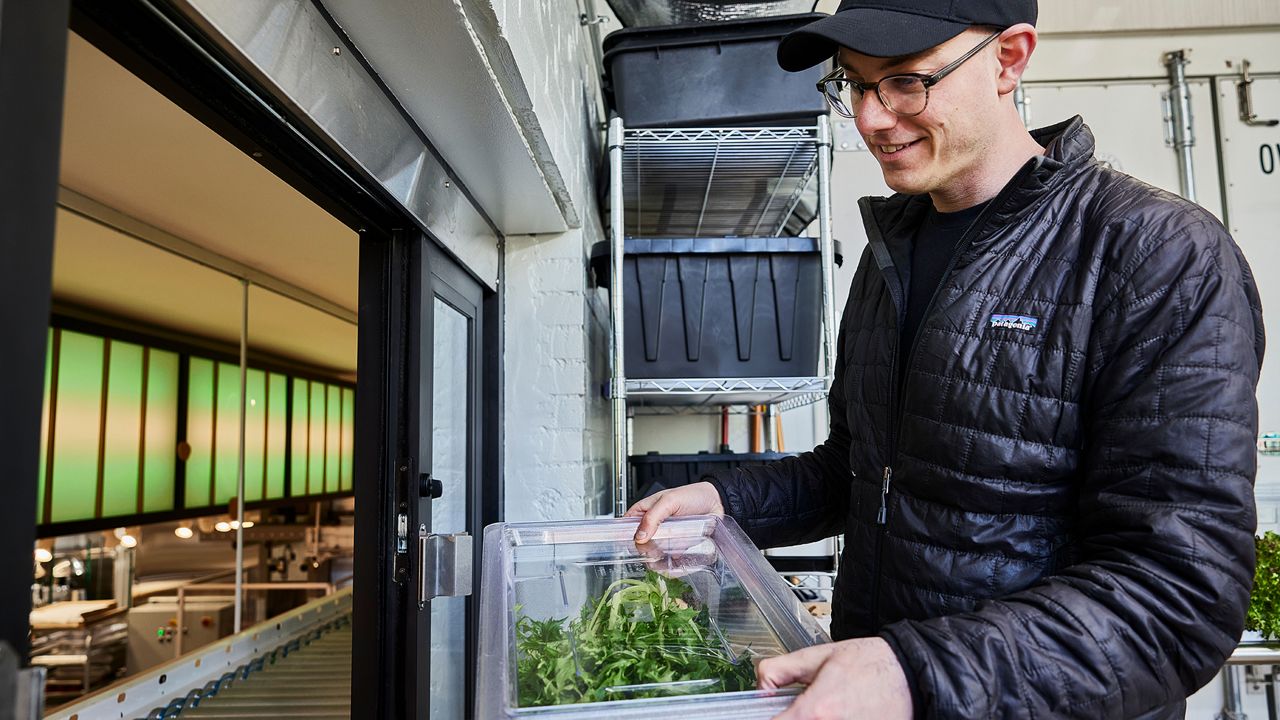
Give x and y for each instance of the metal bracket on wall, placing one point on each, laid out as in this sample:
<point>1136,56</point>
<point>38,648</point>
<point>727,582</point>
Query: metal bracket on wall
<point>846,137</point>
<point>445,565</point>
<point>1244,93</point>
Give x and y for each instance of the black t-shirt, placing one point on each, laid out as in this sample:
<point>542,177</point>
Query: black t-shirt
<point>934,245</point>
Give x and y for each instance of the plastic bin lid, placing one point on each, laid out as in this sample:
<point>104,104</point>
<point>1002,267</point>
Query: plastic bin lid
<point>659,36</point>
<point>706,457</point>
<point>716,245</point>
<point>713,245</point>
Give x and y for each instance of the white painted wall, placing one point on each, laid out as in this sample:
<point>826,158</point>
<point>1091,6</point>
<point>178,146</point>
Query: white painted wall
<point>556,422</point>
<point>1091,16</point>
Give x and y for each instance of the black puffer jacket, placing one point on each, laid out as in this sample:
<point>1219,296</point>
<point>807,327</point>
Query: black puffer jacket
<point>1056,517</point>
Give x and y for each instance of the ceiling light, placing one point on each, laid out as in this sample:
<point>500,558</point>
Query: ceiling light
<point>129,541</point>
<point>43,555</point>
<point>120,533</point>
<point>247,524</point>
<point>223,526</point>
<point>184,531</point>
<point>235,524</point>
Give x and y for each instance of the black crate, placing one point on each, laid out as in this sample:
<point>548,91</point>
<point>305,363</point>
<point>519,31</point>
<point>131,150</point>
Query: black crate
<point>653,472</point>
<point>714,74</point>
<point>718,307</point>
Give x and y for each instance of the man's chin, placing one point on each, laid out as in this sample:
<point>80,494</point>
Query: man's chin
<point>905,185</point>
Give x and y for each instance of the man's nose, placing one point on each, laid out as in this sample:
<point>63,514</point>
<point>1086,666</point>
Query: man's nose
<point>872,115</point>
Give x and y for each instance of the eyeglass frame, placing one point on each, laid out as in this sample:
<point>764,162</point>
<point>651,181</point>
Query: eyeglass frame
<point>928,80</point>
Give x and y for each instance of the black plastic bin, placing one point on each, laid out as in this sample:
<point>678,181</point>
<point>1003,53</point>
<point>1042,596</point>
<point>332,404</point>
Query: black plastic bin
<point>710,75</point>
<point>718,307</point>
<point>653,472</point>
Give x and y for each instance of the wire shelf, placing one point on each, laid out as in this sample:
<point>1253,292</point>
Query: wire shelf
<point>709,405</point>
<point>716,182</point>
<point>707,395</point>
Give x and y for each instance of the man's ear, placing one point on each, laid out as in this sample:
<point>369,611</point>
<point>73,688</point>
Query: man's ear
<point>1013,51</point>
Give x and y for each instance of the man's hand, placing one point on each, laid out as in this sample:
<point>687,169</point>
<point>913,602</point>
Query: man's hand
<point>850,679</point>
<point>696,499</point>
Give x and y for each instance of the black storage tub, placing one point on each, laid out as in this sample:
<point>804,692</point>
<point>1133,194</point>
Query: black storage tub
<point>719,307</point>
<point>710,75</point>
<point>653,472</point>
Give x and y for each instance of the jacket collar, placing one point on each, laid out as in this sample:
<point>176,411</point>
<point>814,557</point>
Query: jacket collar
<point>1068,147</point>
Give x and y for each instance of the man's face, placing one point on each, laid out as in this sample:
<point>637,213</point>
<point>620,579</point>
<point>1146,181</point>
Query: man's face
<point>944,145</point>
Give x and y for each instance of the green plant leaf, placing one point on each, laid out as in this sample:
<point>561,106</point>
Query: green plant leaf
<point>637,632</point>
<point>1264,601</point>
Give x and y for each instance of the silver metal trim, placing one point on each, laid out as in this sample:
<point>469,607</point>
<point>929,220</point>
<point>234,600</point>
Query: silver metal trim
<point>334,95</point>
<point>107,216</point>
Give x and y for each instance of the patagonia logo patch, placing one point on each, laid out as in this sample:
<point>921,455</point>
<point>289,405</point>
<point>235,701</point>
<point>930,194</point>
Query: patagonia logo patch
<point>1022,323</point>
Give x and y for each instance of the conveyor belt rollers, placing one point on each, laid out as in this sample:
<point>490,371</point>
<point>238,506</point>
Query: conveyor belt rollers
<point>311,681</point>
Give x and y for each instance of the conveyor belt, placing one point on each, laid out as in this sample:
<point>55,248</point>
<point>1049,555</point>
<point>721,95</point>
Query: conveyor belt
<point>312,681</point>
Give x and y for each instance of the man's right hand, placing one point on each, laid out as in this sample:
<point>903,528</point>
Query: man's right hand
<point>696,499</point>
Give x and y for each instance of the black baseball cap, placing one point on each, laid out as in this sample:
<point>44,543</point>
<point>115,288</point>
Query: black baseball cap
<point>893,28</point>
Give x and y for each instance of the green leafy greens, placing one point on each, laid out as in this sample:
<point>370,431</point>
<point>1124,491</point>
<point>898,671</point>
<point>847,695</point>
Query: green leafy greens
<point>1264,602</point>
<point>636,633</point>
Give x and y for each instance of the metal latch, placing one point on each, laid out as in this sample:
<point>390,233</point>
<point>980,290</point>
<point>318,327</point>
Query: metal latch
<point>1244,93</point>
<point>445,565</point>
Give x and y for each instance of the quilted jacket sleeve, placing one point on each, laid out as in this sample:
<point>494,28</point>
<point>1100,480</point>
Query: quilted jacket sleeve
<point>797,499</point>
<point>1166,512</point>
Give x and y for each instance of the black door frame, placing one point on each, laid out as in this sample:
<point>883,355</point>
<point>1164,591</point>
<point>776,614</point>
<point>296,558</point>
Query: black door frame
<point>448,282</point>
<point>33,55</point>
<point>159,46</point>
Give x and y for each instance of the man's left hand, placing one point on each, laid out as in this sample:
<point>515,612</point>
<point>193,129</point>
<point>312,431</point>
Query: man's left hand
<point>849,679</point>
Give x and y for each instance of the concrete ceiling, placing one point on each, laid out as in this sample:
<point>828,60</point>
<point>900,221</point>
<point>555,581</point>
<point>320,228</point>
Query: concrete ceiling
<point>128,147</point>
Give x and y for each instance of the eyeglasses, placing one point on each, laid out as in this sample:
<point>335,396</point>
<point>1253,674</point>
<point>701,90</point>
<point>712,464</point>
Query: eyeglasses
<point>905,95</point>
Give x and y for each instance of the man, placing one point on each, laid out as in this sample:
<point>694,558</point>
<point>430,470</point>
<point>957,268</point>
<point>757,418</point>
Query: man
<point>1042,434</point>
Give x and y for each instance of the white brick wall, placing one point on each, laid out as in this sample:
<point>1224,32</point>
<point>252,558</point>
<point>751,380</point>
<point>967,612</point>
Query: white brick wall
<point>556,426</point>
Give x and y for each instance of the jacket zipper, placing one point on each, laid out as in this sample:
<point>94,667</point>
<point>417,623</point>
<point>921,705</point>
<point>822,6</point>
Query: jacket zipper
<point>885,263</point>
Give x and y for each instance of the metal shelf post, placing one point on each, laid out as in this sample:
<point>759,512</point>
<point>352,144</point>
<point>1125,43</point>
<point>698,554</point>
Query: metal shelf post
<point>828,249</point>
<point>618,384</point>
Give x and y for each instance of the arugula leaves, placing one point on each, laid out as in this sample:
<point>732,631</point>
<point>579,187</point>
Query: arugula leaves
<point>637,633</point>
<point>1264,601</point>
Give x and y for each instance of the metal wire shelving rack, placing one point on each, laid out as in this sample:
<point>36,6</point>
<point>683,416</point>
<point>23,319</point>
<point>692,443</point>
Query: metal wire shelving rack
<point>712,182</point>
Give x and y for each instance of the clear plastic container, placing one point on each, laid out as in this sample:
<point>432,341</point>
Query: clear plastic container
<point>577,621</point>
